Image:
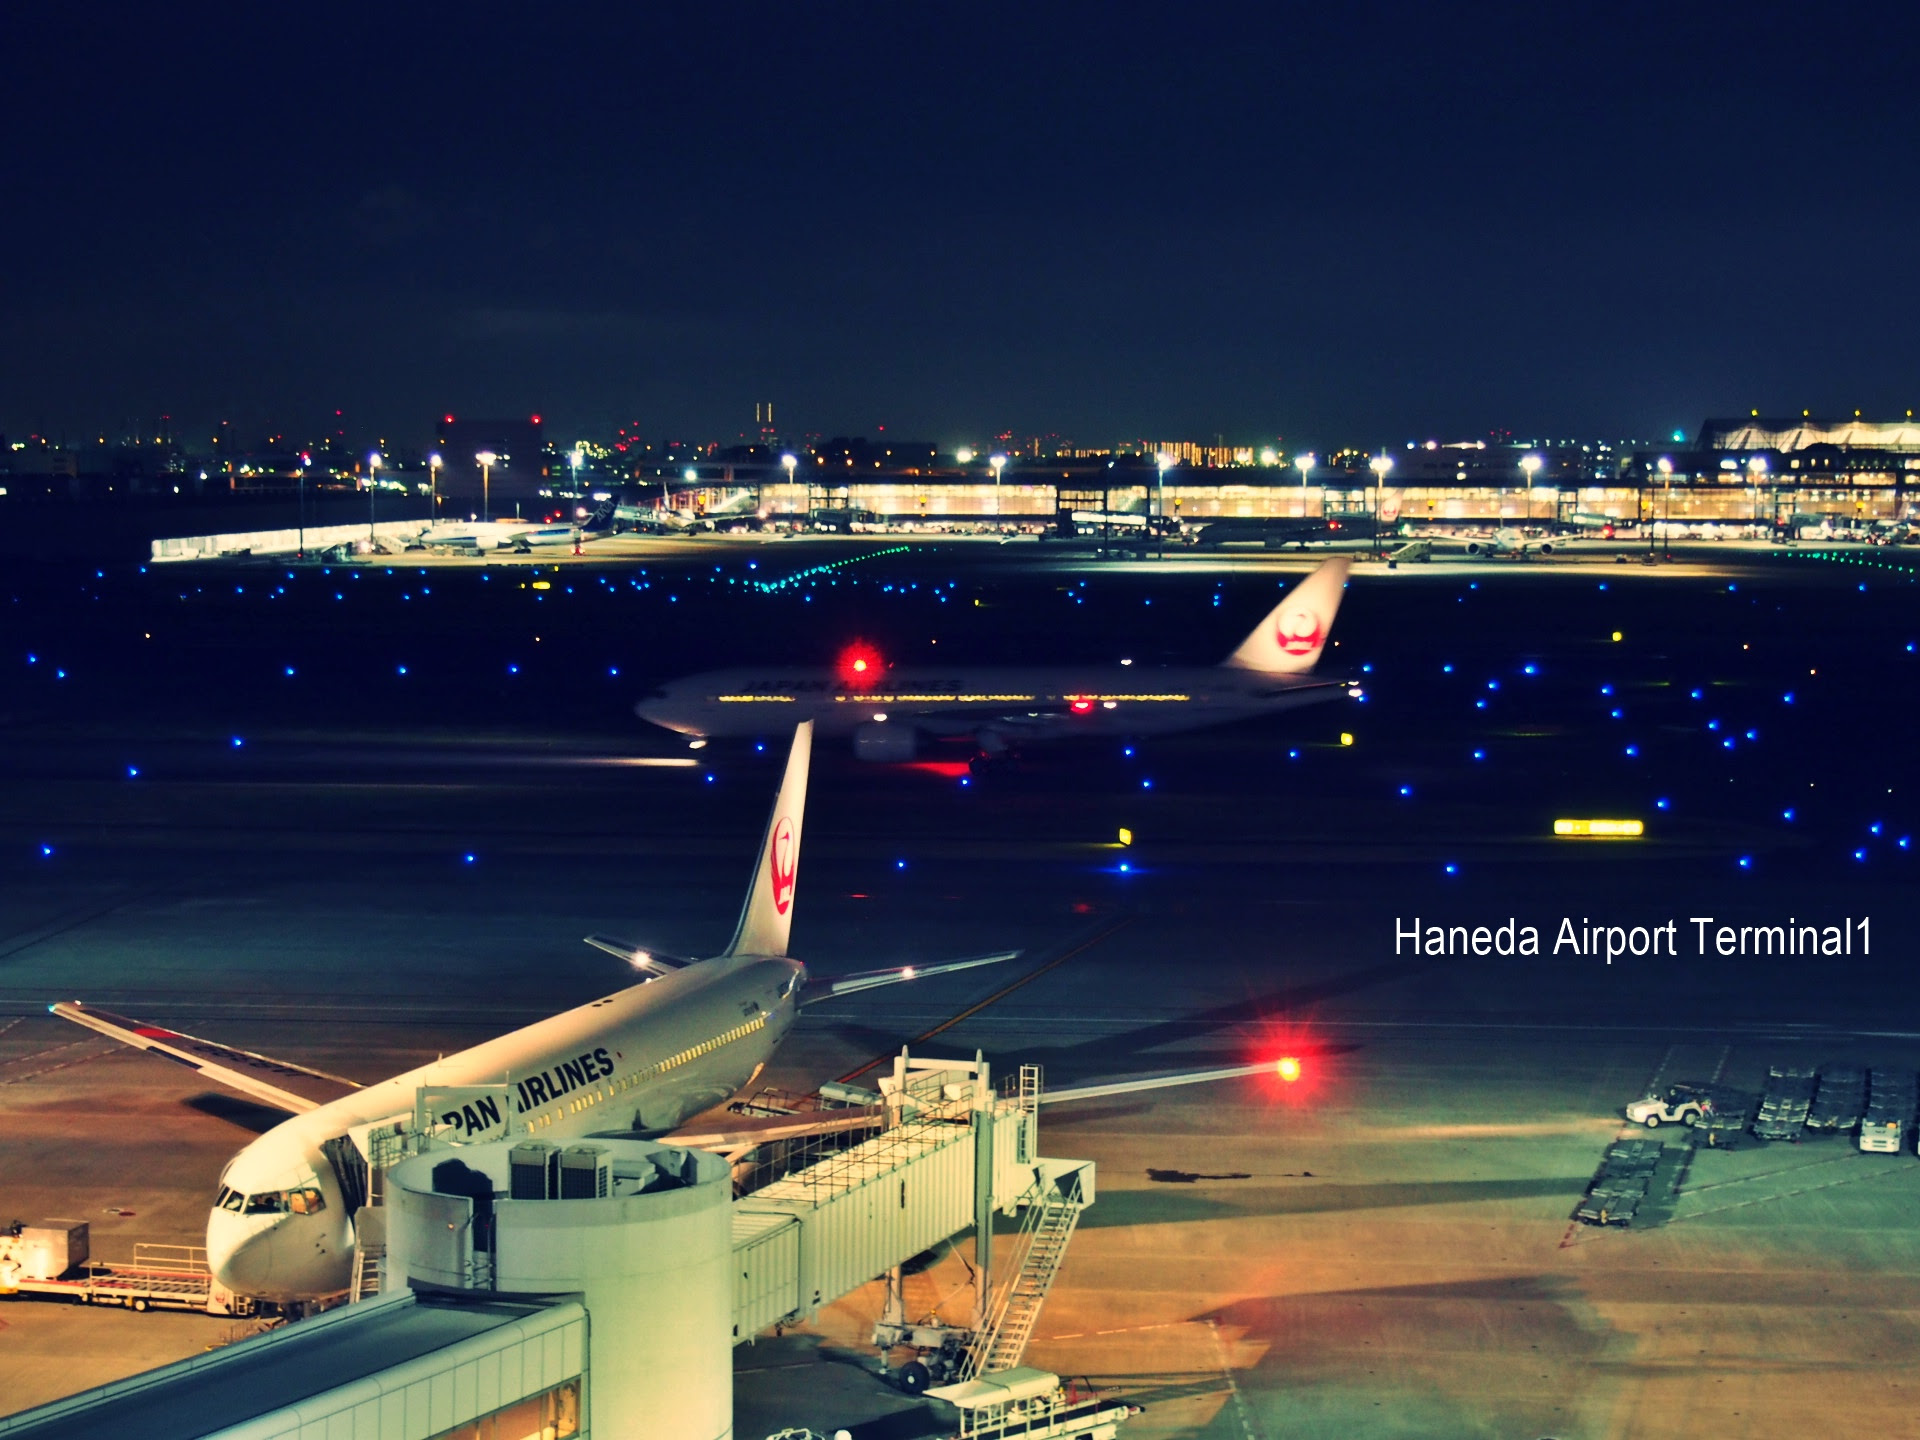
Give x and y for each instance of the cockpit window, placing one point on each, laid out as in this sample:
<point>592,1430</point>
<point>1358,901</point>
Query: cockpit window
<point>272,1202</point>
<point>228,1199</point>
<point>306,1202</point>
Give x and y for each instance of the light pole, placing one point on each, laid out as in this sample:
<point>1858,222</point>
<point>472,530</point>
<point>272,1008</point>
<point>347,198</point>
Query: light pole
<point>1666,479</point>
<point>1304,464</point>
<point>788,462</point>
<point>999,463</point>
<point>373,477</point>
<point>300,505</point>
<point>433,489</point>
<point>1162,463</point>
<point>1756,469</point>
<point>1380,465</point>
<point>487,461</point>
<point>1531,465</point>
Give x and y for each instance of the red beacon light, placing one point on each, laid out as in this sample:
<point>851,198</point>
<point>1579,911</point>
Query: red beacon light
<point>860,666</point>
<point>1081,706</point>
<point>1288,1068</point>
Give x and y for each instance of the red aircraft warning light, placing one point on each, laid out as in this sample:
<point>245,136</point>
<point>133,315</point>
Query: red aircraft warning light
<point>1288,1068</point>
<point>860,666</point>
<point>1081,706</point>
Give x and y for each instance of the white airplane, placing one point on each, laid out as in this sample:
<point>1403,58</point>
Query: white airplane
<point>639,1061</point>
<point>1508,543</point>
<point>888,712</point>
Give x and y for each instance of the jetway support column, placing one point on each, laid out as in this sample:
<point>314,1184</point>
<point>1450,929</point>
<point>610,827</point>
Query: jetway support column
<point>983,1108</point>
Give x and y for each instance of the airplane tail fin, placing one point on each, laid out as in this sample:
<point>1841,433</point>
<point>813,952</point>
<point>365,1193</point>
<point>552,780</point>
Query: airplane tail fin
<point>1290,639</point>
<point>767,917</point>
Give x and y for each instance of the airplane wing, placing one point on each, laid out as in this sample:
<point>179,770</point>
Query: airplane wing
<point>1134,1084</point>
<point>299,1089</point>
<point>827,989</point>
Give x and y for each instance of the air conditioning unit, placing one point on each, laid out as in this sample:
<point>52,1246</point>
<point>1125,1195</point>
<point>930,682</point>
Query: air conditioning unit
<point>586,1173</point>
<point>533,1171</point>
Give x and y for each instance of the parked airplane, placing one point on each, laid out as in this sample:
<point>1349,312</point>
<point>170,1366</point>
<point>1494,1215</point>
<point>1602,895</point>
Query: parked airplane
<point>889,712</point>
<point>641,1060</point>
<point>1507,543</point>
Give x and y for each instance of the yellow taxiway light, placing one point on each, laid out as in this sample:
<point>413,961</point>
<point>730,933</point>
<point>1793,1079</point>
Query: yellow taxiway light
<point>1345,738</point>
<point>1600,829</point>
<point>543,584</point>
<point>1126,836</point>
<point>1617,637</point>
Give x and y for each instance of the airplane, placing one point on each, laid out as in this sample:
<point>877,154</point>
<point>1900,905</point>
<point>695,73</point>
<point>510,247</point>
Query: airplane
<point>890,712</point>
<point>1277,533</point>
<point>641,1061</point>
<point>515,535</point>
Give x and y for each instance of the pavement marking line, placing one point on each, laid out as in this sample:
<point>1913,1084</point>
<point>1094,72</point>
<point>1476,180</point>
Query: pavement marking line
<point>63,1065</point>
<point>1788,1194</point>
<point>65,921</point>
<point>1233,1386</point>
<point>998,995</point>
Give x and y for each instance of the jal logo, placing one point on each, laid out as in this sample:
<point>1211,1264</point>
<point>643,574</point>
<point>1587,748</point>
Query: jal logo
<point>781,865</point>
<point>1300,632</point>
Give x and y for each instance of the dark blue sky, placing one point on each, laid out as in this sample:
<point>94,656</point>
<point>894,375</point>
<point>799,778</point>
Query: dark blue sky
<point>1359,222</point>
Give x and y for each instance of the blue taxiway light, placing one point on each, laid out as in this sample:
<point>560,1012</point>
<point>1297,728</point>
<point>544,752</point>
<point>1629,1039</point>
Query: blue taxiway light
<point>1746,862</point>
<point>1293,754</point>
<point>709,777</point>
<point>1146,784</point>
<point>1453,869</point>
<point>1406,790</point>
<point>133,772</point>
<point>1787,699</point>
<point>899,864</point>
<point>1616,714</point>
<point>1693,694</point>
<point>1479,704</point>
<point>966,780</point>
<point>1753,734</point>
<point>1904,841</point>
<point>1788,814</point>
<point>401,668</point>
<point>1662,803</point>
<point>1713,724</point>
<point>513,669</point>
<point>59,674</point>
<point>1479,754</point>
<point>469,858</point>
<point>238,742</point>
<point>1529,669</point>
<point>1448,669</point>
<point>1633,752</point>
<point>1860,855</point>
<point>46,852</point>
<point>1874,829</point>
<point>1606,690</point>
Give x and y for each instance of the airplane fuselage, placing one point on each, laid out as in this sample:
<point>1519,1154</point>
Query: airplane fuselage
<point>1055,702</point>
<point>641,1060</point>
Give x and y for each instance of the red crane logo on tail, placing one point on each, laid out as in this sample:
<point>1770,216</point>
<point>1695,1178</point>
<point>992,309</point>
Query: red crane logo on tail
<point>1300,631</point>
<point>781,865</point>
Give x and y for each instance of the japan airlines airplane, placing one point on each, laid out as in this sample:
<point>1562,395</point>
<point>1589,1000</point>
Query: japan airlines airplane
<point>640,1061</point>
<point>889,712</point>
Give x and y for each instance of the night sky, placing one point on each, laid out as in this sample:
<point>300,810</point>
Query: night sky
<point>1366,223</point>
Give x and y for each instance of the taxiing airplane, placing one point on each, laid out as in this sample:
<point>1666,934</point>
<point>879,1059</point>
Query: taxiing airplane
<point>889,713</point>
<point>640,1061</point>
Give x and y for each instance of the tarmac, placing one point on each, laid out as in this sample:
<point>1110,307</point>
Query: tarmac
<point>1383,1248</point>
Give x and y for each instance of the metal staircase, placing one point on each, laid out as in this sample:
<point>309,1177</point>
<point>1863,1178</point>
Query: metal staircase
<point>1052,1213</point>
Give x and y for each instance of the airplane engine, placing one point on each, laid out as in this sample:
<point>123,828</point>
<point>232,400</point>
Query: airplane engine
<point>1546,547</point>
<point>1476,548</point>
<point>881,743</point>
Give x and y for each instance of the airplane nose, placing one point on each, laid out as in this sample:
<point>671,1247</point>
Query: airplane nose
<point>240,1256</point>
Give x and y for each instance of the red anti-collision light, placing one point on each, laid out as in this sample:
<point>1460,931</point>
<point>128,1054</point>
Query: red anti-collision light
<point>1288,1069</point>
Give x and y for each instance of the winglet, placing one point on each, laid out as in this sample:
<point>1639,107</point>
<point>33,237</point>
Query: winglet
<point>1290,639</point>
<point>767,917</point>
